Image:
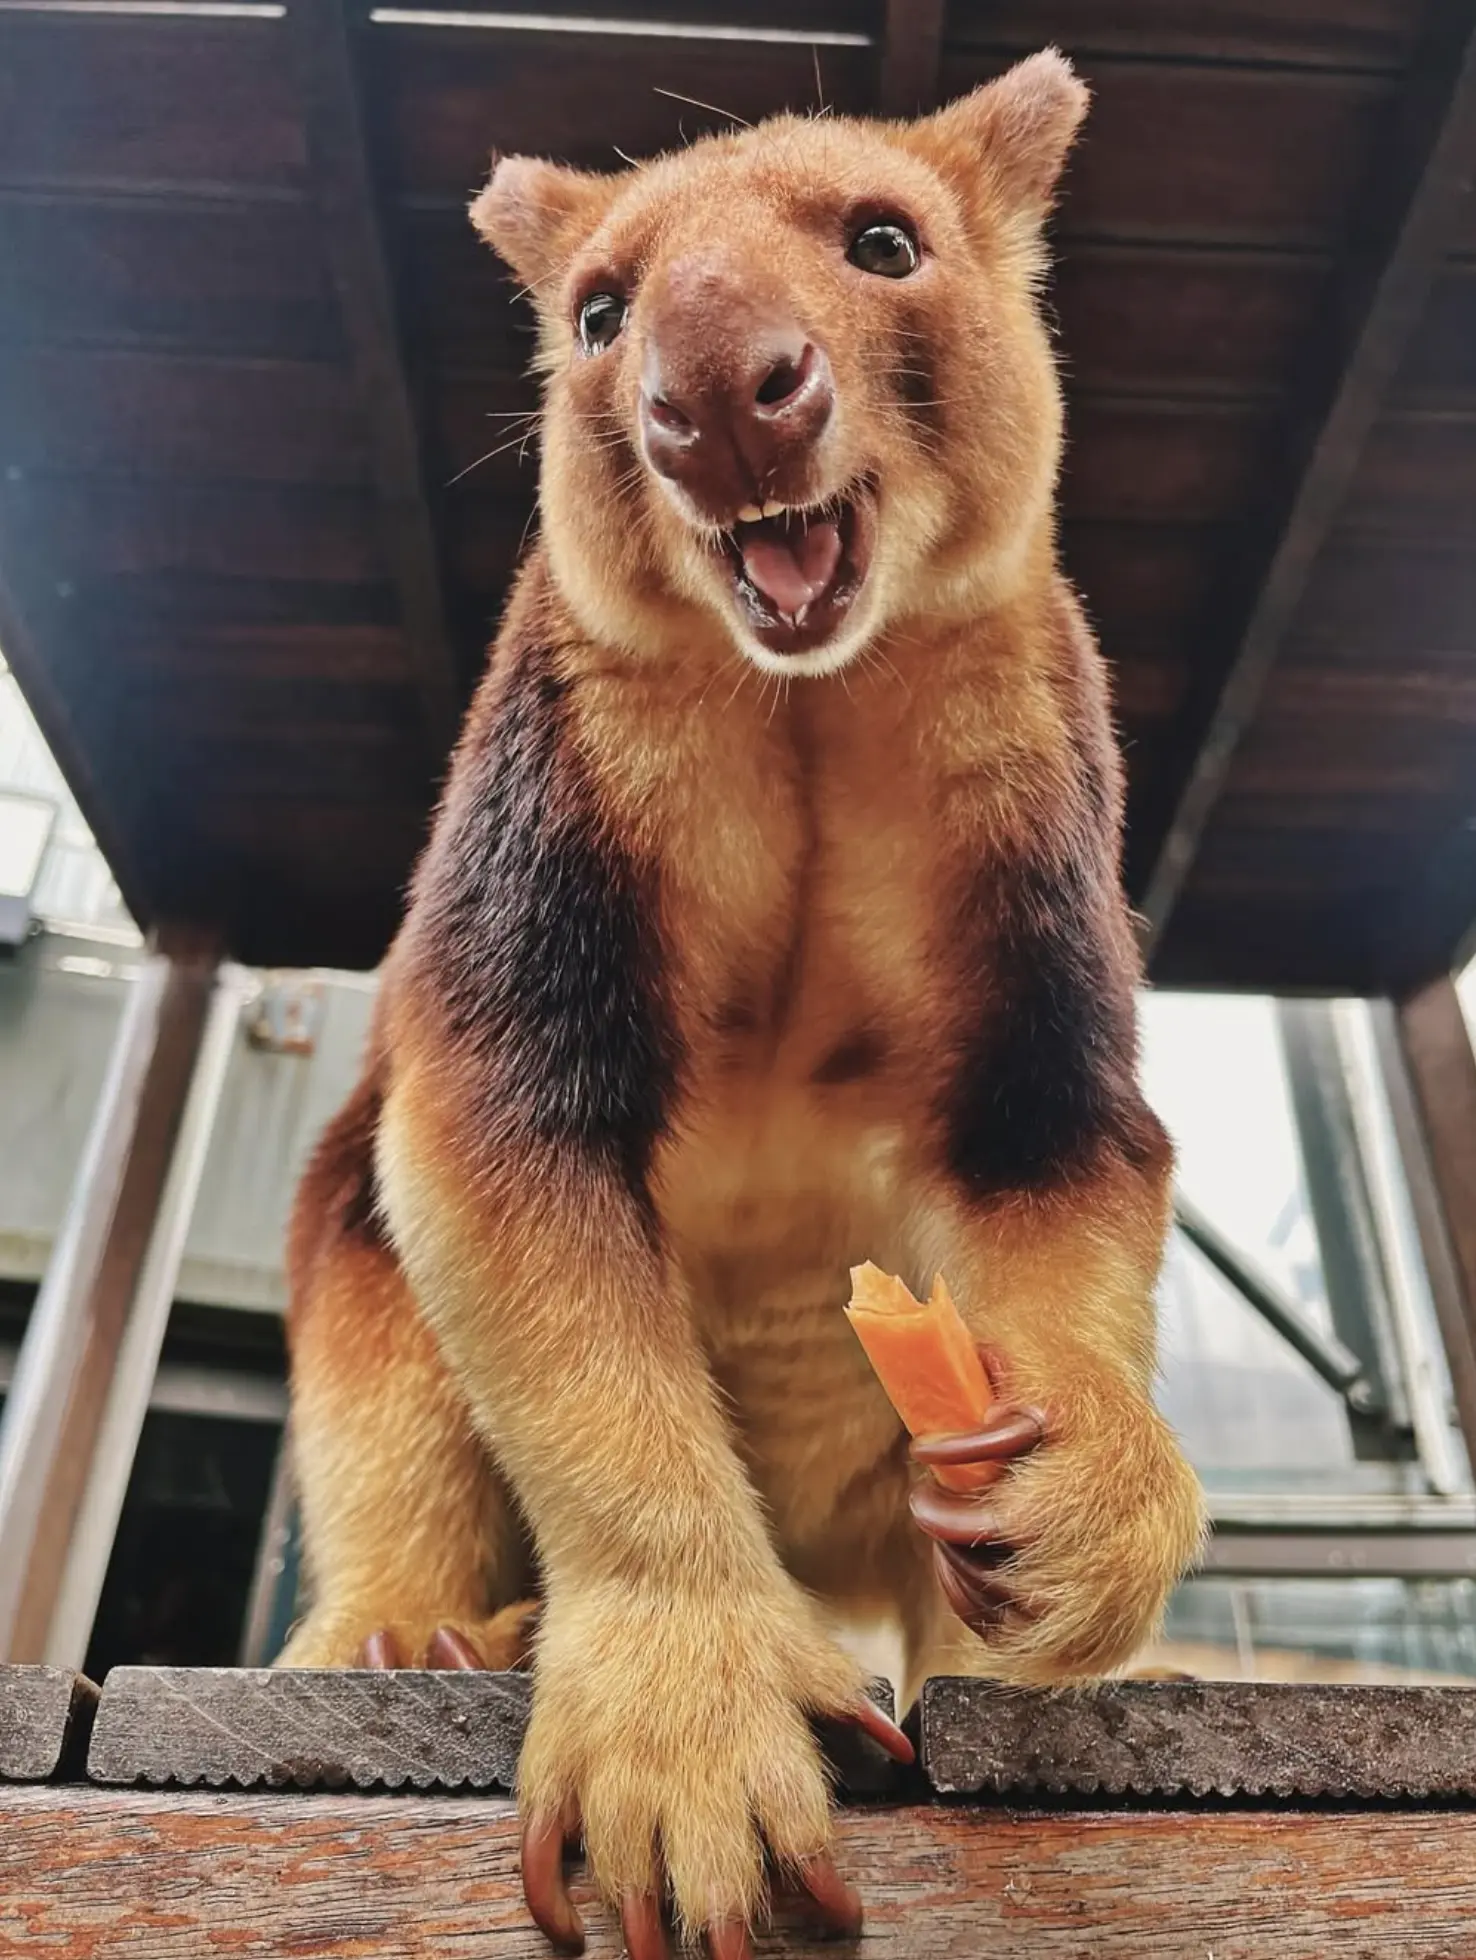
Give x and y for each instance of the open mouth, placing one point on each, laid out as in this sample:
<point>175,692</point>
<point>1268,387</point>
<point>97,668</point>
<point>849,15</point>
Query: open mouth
<point>797,571</point>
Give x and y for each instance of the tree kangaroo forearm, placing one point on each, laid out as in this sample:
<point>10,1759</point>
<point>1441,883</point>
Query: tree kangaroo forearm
<point>574,1344</point>
<point>1065,1277</point>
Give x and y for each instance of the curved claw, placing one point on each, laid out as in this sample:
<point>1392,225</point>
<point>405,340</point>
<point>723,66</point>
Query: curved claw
<point>381,1650</point>
<point>1009,1433</point>
<point>839,1903</point>
<point>881,1728</point>
<point>955,1591</point>
<point>449,1649</point>
<point>955,1518</point>
<point>640,1922</point>
<point>981,1600</point>
<point>544,1889</point>
<point>727,1939</point>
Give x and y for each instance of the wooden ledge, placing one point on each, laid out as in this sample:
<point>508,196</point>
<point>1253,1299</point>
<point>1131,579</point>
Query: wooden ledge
<point>1189,1740</point>
<point>331,1729</point>
<point>1177,1741</point>
<point>143,1875</point>
<point>45,1716</point>
<point>310,1729</point>
<point>170,1873</point>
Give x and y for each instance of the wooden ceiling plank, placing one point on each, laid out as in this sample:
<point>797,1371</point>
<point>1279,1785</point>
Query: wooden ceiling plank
<point>1380,301</point>
<point>359,263</point>
<point>912,56</point>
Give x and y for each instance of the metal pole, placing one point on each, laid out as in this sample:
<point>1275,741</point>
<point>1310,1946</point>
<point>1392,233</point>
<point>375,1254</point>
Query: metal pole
<point>1337,1189</point>
<point>1325,1354</point>
<point>1412,1315</point>
<point>1430,1079</point>
<point>270,1607</point>
<point>35,1408</point>
<point>51,1413</point>
<point>132,1382</point>
<point>1340,1555</point>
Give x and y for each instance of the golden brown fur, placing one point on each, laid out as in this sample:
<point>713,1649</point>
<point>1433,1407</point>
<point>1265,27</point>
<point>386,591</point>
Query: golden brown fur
<point>711,986</point>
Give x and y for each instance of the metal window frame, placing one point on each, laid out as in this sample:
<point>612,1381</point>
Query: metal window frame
<point>1383,1358</point>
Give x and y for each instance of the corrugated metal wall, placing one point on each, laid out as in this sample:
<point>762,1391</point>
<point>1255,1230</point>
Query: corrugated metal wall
<point>60,1001</point>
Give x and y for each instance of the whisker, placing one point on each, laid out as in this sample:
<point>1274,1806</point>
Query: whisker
<point>491,454</point>
<point>743,672</point>
<point>875,656</point>
<point>711,107</point>
<point>722,668</point>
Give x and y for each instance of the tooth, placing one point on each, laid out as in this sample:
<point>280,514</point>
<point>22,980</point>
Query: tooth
<point>751,514</point>
<point>771,509</point>
<point>800,617</point>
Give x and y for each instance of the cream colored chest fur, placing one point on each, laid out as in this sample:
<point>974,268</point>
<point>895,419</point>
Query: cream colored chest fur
<point>799,897</point>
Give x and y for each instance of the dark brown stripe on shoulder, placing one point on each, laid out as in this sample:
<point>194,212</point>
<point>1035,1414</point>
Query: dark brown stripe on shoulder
<point>538,935</point>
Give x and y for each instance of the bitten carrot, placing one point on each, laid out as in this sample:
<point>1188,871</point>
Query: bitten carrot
<point>926,1360</point>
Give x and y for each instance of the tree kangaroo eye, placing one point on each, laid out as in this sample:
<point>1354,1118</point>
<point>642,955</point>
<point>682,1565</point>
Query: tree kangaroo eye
<point>600,319</point>
<point>889,250</point>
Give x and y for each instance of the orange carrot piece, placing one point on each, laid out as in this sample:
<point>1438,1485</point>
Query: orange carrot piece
<point>926,1360</point>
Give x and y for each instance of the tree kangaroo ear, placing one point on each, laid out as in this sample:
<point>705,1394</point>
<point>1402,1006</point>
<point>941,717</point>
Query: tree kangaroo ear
<point>534,214</point>
<point>1008,139</point>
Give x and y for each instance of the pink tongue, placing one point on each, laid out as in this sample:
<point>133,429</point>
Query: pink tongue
<point>792,568</point>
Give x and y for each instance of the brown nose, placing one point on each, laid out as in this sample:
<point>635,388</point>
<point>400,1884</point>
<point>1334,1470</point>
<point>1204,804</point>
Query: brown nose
<point>733,416</point>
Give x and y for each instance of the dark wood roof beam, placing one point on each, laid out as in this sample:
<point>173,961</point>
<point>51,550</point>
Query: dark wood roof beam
<point>1402,230</point>
<point>911,56</point>
<point>359,262</point>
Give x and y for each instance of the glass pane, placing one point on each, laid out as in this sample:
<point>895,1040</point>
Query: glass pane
<point>1247,1406</point>
<point>1323,1630</point>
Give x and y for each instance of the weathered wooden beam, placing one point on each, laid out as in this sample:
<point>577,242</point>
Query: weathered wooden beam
<point>1402,228</point>
<point>136,1875</point>
<point>1430,1077</point>
<point>254,1727</point>
<point>45,1716</point>
<point>310,1729</point>
<point>57,1402</point>
<point>326,1729</point>
<point>911,56</point>
<point>358,259</point>
<point>1191,1739</point>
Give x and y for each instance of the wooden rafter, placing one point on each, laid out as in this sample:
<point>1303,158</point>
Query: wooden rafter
<point>1402,232</point>
<point>911,56</point>
<point>359,262</point>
